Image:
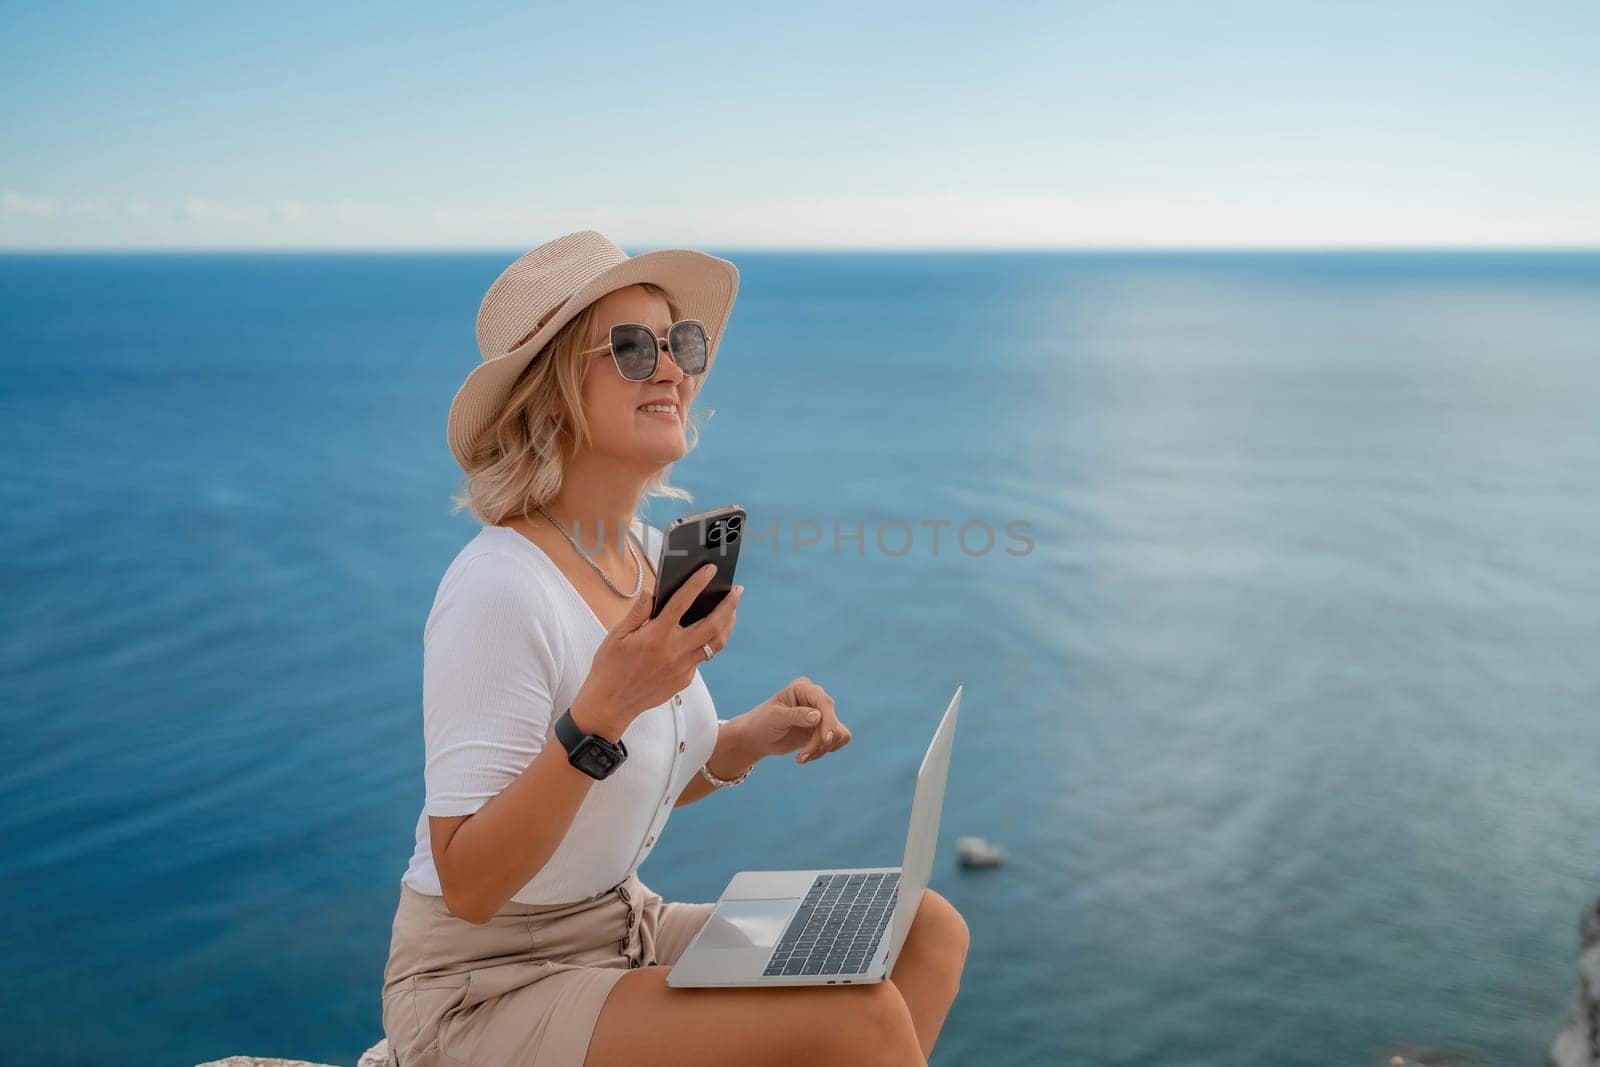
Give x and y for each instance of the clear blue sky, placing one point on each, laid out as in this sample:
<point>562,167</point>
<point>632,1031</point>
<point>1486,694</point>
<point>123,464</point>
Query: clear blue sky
<point>801,125</point>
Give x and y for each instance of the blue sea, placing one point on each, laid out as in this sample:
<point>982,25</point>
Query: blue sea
<point>1287,713</point>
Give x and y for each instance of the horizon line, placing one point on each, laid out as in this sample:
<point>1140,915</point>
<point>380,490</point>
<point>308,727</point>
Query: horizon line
<point>1135,249</point>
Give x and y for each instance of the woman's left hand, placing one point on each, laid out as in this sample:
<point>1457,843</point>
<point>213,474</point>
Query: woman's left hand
<point>800,715</point>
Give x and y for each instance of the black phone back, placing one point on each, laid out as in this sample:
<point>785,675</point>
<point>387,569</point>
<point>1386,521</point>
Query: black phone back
<point>690,543</point>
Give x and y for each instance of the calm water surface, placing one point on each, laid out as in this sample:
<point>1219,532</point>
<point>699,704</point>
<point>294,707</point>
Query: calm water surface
<point>1289,720</point>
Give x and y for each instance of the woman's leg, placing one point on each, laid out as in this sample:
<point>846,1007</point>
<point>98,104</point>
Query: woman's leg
<point>644,1020</point>
<point>891,1023</point>
<point>928,969</point>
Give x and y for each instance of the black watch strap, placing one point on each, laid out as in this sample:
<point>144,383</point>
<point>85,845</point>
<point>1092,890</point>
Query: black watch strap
<point>569,733</point>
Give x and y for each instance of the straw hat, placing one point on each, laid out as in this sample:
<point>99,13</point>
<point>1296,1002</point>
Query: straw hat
<point>547,288</point>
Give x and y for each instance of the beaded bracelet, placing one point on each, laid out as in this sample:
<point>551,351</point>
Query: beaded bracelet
<point>720,782</point>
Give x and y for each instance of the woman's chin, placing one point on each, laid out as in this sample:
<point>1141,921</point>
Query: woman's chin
<point>663,448</point>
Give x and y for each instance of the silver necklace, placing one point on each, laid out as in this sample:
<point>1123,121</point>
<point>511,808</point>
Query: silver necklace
<point>638,565</point>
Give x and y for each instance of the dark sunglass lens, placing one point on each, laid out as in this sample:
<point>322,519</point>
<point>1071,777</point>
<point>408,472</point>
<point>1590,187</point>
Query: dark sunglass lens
<point>635,350</point>
<point>689,347</point>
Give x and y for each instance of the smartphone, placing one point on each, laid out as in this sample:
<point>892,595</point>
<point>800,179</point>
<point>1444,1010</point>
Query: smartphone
<point>690,543</point>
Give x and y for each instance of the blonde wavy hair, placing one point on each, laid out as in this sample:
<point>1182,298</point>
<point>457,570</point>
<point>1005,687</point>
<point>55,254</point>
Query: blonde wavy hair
<point>519,461</point>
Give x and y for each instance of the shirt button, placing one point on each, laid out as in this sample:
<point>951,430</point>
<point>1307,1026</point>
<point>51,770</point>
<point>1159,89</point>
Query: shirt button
<point>650,840</point>
<point>677,698</point>
<point>682,745</point>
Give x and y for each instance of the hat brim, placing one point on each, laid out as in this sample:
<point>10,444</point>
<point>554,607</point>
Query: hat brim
<point>700,286</point>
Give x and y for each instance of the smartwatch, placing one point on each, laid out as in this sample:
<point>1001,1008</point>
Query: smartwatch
<point>590,753</point>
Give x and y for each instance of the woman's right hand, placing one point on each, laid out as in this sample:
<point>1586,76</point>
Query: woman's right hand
<point>642,661</point>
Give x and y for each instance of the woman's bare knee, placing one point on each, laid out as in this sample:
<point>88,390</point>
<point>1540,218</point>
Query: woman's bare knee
<point>870,1024</point>
<point>644,1020</point>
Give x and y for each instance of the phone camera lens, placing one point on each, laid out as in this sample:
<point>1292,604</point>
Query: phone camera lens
<point>714,535</point>
<point>734,523</point>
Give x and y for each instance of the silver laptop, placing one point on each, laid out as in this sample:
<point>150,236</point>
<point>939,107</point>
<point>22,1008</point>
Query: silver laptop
<point>823,927</point>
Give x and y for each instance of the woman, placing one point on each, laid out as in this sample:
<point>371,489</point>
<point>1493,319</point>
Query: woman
<point>523,933</point>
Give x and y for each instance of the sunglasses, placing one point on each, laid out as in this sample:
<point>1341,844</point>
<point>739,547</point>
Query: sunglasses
<point>637,350</point>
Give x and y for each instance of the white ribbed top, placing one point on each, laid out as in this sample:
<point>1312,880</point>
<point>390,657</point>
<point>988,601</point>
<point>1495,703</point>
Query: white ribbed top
<point>506,647</point>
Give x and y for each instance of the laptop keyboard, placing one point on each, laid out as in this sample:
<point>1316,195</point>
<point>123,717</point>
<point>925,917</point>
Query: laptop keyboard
<point>837,928</point>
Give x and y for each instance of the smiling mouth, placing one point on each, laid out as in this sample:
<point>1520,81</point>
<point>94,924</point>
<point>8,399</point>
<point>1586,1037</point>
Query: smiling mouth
<point>660,409</point>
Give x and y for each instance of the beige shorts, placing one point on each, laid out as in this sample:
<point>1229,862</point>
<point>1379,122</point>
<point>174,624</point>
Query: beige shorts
<point>527,986</point>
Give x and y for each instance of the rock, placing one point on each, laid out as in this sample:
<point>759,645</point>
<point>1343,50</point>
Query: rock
<point>1578,1042</point>
<point>376,1056</point>
<point>976,852</point>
